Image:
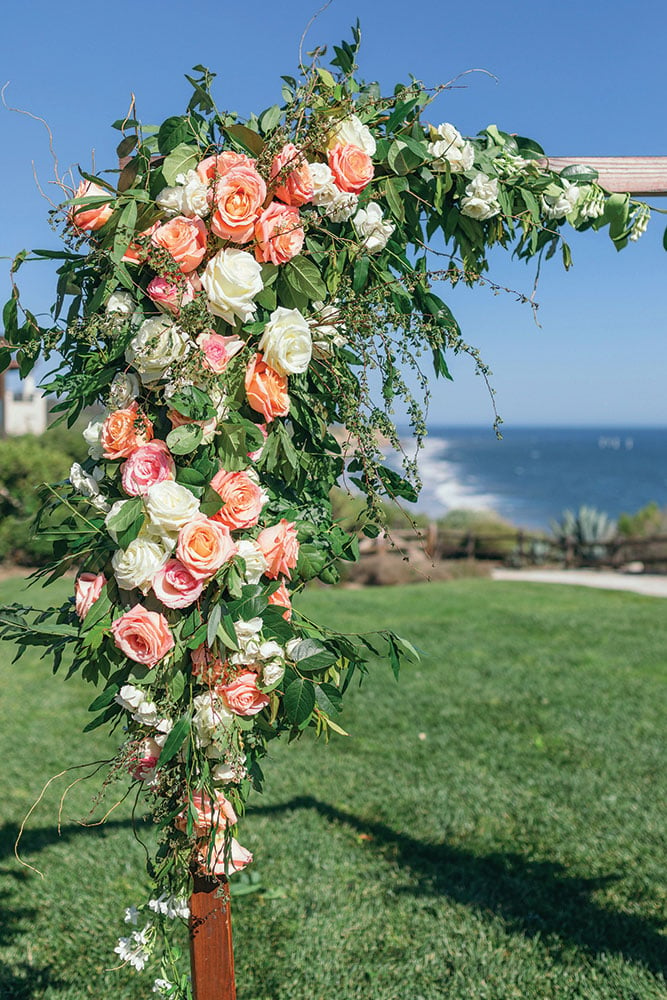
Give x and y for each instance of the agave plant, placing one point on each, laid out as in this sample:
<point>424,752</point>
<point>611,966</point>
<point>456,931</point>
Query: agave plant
<point>588,531</point>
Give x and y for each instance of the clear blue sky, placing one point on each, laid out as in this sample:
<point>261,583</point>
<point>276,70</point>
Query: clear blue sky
<point>581,79</point>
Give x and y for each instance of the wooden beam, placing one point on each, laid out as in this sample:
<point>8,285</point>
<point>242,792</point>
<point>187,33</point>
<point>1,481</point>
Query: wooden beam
<point>642,176</point>
<point>211,951</point>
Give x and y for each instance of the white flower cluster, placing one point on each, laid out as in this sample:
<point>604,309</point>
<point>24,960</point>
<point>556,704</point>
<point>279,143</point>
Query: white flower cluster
<point>170,906</point>
<point>591,201</point>
<point>253,649</point>
<point>159,342</point>
<point>325,332</point>
<point>87,485</point>
<point>136,949</point>
<point>144,711</point>
<point>481,198</point>
<point>449,148</point>
<point>560,202</point>
<point>639,223</point>
<point>373,228</point>
<point>188,198</point>
<point>338,205</point>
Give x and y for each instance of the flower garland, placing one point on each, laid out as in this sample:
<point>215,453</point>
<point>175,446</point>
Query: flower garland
<point>228,299</point>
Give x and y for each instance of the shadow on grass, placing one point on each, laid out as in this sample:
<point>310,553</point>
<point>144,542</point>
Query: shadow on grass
<point>534,898</point>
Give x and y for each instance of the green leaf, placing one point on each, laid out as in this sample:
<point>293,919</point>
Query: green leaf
<point>174,132</point>
<point>194,403</point>
<point>211,502</point>
<point>329,698</point>
<point>406,154</point>
<point>124,231</point>
<point>175,740</point>
<point>392,189</point>
<point>104,699</point>
<point>213,621</point>
<point>360,274</point>
<point>177,685</point>
<point>97,611</point>
<point>312,655</point>
<point>183,157</point>
<point>245,137</point>
<point>182,440</point>
<point>126,145</point>
<point>299,700</point>
<point>226,631</point>
<point>580,173</point>
<point>304,276</point>
<point>270,118</point>
<point>312,560</point>
<point>126,522</point>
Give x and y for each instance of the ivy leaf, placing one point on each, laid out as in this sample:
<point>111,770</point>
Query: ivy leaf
<point>299,700</point>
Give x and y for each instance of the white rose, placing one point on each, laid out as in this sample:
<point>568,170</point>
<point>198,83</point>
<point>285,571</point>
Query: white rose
<point>194,195</point>
<point>91,436</point>
<point>373,228</point>
<point>286,342</point>
<point>483,187</point>
<point>479,209</point>
<point>136,565</point>
<point>170,200</point>
<point>209,714</point>
<point>272,673</point>
<point>88,486</point>
<point>223,773</point>
<point>170,506</point>
<point>247,634</point>
<point>342,207</point>
<point>253,557</point>
<point>120,307</point>
<point>557,205</point>
<point>246,630</point>
<point>146,713</point>
<point>480,201</point>
<point>123,390</point>
<point>164,727</point>
<point>450,147</point>
<point>130,697</point>
<point>231,280</point>
<point>324,186</point>
<point>351,132</point>
<point>158,343</point>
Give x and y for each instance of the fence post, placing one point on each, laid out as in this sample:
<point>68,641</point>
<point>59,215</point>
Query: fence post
<point>211,951</point>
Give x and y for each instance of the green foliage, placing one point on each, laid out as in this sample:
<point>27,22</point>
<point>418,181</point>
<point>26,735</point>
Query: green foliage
<point>648,520</point>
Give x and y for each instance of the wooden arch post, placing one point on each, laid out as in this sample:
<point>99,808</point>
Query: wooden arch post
<point>211,949</point>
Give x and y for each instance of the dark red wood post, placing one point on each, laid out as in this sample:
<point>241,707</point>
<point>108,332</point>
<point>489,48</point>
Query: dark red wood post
<point>211,951</point>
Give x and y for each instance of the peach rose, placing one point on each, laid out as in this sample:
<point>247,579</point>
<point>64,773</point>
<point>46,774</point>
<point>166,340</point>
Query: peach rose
<point>124,431</point>
<point>210,814</point>
<point>278,233</point>
<point>184,239</point>
<point>87,589</point>
<point>218,166</point>
<point>175,585</point>
<point>242,696</point>
<point>352,169</point>
<point>142,635</point>
<point>206,666</point>
<point>282,599</point>
<point>204,546</point>
<point>280,548</point>
<point>136,252</point>
<point>266,389</point>
<point>151,463</point>
<point>169,295</point>
<point>242,499</point>
<point>142,765</point>
<point>295,183</point>
<point>227,858</point>
<point>218,351</point>
<point>238,197</point>
<point>83,217</point>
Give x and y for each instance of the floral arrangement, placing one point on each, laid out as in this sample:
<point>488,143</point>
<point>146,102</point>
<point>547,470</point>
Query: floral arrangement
<point>231,294</point>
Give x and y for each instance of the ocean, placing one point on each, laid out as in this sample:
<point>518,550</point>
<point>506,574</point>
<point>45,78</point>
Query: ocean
<point>534,473</point>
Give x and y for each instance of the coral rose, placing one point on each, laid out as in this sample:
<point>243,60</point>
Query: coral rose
<point>242,499</point>
<point>124,431</point>
<point>142,635</point>
<point>266,389</point>
<point>175,585</point>
<point>204,546</point>
<point>218,351</point>
<point>150,464</point>
<point>217,166</point>
<point>238,197</point>
<point>171,296</point>
<point>210,815</point>
<point>227,858</point>
<point>136,252</point>
<point>280,548</point>
<point>278,233</point>
<point>291,171</point>
<point>93,217</point>
<point>87,589</point>
<point>352,169</point>
<point>282,599</point>
<point>242,696</point>
<point>184,240</point>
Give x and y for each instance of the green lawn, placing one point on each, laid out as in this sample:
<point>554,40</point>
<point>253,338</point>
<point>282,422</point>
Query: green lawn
<point>493,828</point>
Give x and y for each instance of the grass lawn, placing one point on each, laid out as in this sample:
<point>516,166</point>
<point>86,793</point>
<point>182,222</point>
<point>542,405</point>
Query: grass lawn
<point>493,828</point>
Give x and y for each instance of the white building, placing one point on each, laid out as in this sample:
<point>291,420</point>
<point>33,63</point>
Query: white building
<point>24,411</point>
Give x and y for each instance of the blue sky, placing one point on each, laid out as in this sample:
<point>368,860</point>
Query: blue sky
<point>577,80</point>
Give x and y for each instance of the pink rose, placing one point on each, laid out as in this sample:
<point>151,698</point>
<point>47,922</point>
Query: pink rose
<point>209,814</point>
<point>227,858</point>
<point>238,197</point>
<point>171,295</point>
<point>278,233</point>
<point>351,167</point>
<point>184,240</point>
<point>204,546</point>
<point>242,499</point>
<point>90,218</point>
<point>280,548</point>
<point>218,350</point>
<point>217,166</point>
<point>142,766</point>
<point>87,589</point>
<point>242,696</point>
<point>282,599</point>
<point>142,635</point>
<point>295,183</point>
<point>175,585</point>
<point>149,464</point>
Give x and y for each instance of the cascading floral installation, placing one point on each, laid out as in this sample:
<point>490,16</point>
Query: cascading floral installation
<point>229,299</point>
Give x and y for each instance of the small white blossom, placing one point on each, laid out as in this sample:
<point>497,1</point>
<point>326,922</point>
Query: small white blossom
<point>161,986</point>
<point>481,198</point>
<point>639,223</point>
<point>91,436</point>
<point>170,906</point>
<point>131,914</point>
<point>561,203</point>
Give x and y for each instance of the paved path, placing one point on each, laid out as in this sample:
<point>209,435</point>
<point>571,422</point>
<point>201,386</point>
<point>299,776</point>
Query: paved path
<point>650,586</point>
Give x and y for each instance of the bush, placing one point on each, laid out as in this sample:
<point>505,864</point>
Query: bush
<point>495,538</point>
<point>648,520</point>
